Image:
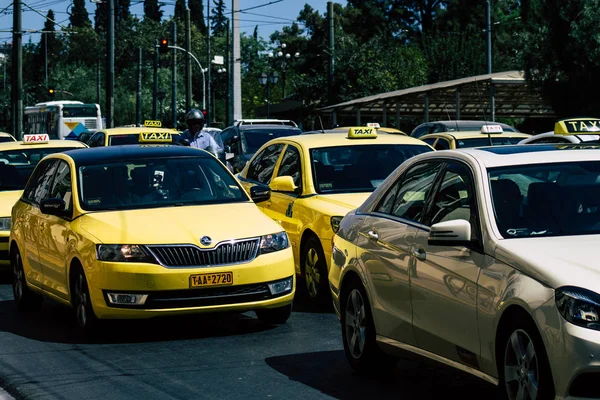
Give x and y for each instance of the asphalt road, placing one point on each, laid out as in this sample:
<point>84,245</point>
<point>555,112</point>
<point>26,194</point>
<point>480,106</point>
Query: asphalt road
<point>202,357</point>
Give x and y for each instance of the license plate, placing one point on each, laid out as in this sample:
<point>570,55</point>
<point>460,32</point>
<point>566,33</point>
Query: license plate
<point>219,279</point>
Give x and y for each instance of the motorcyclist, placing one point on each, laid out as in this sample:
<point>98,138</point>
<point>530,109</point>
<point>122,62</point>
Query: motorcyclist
<point>194,135</point>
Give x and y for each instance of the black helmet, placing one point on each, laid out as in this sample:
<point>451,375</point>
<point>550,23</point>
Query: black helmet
<point>195,115</point>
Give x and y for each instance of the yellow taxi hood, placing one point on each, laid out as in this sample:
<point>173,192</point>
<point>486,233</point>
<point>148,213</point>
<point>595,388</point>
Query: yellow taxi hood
<point>347,201</point>
<point>175,225</point>
<point>8,200</point>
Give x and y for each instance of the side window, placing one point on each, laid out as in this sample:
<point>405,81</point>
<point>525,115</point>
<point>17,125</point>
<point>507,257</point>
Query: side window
<point>550,140</point>
<point>442,144</point>
<point>408,197</point>
<point>263,165</point>
<point>422,130</point>
<point>97,140</point>
<point>437,128</point>
<point>61,187</point>
<point>455,198</point>
<point>290,165</point>
<point>39,184</point>
<point>430,141</point>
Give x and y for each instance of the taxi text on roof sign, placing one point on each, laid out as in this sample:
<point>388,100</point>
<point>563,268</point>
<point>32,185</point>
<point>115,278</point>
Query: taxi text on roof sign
<point>155,137</point>
<point>362,133</point>
<point>373,125</point>
<point>36,139</point>
<point>491,129</point>
<point>152,123</point>
<point>577,125</point>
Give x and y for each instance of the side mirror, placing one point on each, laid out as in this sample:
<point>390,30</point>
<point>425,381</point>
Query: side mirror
<point>283,184</point>
<point>234,139</point>
<point>53,207</point>
<point>260,193</point>
<point>456,232</point>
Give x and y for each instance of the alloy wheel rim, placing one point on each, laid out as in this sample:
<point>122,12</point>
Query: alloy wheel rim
<point>312,275</point>
<point>81,301</point>
<point>355,321</point>
<point>521,372</point>
<point>17,279</point>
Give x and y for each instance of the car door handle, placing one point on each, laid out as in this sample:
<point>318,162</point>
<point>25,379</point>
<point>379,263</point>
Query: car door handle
<point>373,235</point>
<point>419,253</point>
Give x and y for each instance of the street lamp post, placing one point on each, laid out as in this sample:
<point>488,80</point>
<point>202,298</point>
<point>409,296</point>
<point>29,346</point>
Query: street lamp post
<point>283,58</point>
<point>267,80</point>
<point>160,96</point>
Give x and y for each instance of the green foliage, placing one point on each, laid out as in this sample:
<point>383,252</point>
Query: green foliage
<point>152,10</point>
<point>79,16</point>
<point>218,19</point>
<point>180,10</point>
<point>197,15</point>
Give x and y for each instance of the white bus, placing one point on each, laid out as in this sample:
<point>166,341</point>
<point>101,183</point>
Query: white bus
<point>62,119</point>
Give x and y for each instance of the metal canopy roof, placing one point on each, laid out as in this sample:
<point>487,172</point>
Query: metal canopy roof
<point>511,94</point>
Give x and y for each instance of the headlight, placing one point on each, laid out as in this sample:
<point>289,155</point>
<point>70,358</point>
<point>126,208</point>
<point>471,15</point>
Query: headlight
<point>124,253</point>
<point>5,224</point>
<point>335,223</point>
<point>274,242</point>
<point>579,306</point>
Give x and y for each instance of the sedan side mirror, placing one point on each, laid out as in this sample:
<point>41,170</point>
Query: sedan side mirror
<point>456,232</point>
<point>283,184</point>
<point>53,206</point>
<point>260,193</point>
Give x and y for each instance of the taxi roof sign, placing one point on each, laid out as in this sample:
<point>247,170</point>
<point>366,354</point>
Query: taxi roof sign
<point>152,123</point>
<point>36,139</point>
<point>373,125</point>
<point>577,126</point>
<point>362,132</point>
<point>491,129</point>
<point>155,137</point>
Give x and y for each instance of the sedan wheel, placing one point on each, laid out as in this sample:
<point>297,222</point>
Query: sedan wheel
<point>25,299</point>
<point>355,324</point>
<point>521,371</point>
<point>312,275</point>
<point>84,313</point>
<point>315,270</point>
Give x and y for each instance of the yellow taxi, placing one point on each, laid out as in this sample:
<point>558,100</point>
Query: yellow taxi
<point>316,180</point>
<point>144,231</point>
<point>6,137</point>
<point>489,135</point>
<point>584,131</point>
<point>17,161</point>
<point>150,133</point>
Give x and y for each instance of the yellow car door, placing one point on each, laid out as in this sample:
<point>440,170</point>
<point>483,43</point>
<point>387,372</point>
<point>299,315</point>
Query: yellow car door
<point>55,234</point>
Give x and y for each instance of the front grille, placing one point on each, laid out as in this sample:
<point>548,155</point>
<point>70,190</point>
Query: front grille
<point>90,124</point>
<point>224,253</point>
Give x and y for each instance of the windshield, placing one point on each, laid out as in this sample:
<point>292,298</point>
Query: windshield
<point>359,168</point>
<point>253,139</point>
<point>157,182</point>
<point>473,126</point>
<point>484,141</point>
<point>16,166</point>
<point>82,111</point>
<point>547,200</point>
<point>134,138</point>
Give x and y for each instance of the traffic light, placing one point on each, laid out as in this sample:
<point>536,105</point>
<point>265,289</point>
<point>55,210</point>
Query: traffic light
<point>163,45</point>
<point>51,93</point>
<point>205,113</point>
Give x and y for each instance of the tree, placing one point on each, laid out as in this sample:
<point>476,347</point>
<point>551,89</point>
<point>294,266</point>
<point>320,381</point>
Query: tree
<point>197,15</point>
<point>218,19</point>
<point>79,16</point>
<point>100,17</point>
<point>180,10</point>
<point>122,9</point>
<point>152,10</point>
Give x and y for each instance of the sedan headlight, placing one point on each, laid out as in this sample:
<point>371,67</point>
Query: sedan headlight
<point>124,253</point>
<point>335,223</point>
<point>579,306</point>
<point>5,224</point>
<point>274,242</point>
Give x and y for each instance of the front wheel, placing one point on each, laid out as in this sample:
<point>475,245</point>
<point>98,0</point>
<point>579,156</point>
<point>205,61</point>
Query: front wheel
<point>525,370</point>
<point>275,316</point>
<point>84,312</point>
<point>315,270</point>
<point>25,298</point>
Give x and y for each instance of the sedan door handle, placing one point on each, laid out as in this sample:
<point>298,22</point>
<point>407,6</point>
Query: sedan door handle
<point>419,253</point>
<point>373,235</point>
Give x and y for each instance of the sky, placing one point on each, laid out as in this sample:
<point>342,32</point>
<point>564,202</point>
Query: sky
<point>268,17</point>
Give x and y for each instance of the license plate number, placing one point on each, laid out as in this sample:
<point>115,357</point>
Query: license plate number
<point>202,280</point>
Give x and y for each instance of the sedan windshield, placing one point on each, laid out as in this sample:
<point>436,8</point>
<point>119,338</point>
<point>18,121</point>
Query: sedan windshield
<point>157,182</point>
<point>16,166</point>
<point>360,168</point>
<point>252,139</point>
<point>484,141</point>
<point>547,200</point>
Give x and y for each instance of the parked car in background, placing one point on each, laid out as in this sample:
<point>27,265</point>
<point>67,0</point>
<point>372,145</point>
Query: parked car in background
<point>489,135</point>
<point>570,131</point>
<point>455,126</point>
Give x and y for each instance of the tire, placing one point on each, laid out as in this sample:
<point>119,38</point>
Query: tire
<point>25,298</point>
<point>525,362</point>
<point>275,316</point>
<point>358,333</point>
<point>84,313</point>
<point>314,270</point>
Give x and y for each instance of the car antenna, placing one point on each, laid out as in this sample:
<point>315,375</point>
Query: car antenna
<point>484,117</point>
<point>448,115</point>
<point>321,122</point>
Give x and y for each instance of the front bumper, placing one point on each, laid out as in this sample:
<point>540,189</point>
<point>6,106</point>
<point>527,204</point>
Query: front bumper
<point>169,291</point>
<point>4,256</point>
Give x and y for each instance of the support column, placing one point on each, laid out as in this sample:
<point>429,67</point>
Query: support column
<point>237,71</point>
<point>426,108</point>
<point>492,103</point>
<point>174,76</point>
<point>358,116</point>
<point>457,104</point>
<point>333,118</point>
<point>384,114</point>
<point>397,114</point>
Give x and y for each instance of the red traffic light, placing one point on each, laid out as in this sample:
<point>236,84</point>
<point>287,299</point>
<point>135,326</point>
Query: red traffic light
<point>163,45</point>
<point>205,113</point>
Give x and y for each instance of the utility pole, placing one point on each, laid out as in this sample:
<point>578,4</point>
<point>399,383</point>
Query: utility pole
<point>188,65</point>
<point>208,63</point>
<point>229,69</point>
<point>17,72</point>
<point>155,88</point>
<point>110,70</point>
<point>138,98</point>
<point>331,52</point>
<point>98,91</point>
<point>174,75</point>
<point>46,56</point>
<point>237,73</point>
<point>488,45</point>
